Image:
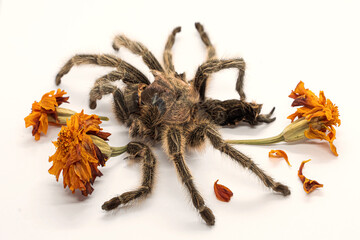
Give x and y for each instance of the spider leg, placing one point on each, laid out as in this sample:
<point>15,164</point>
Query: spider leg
<point>266,118</point>
<point>196,137</point>
<point>231,112</point>
<point>103,84</point>
<point>167,56</point>
<point>139,49</point>
<point>148,161</point>
<point>215,65</point>
<point>210,49</point>
<point>120,108</point>
<point>102,87</point>
<point>125,69</point>
<point>174,143</point>
<point>218,143</point>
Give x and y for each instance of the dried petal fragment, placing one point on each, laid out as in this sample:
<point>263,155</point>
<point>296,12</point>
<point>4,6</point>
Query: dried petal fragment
<point>279,154</point>
<point>309,185</point>
<point>222,193</point>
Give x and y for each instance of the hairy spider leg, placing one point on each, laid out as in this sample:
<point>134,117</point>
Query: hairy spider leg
<point>196,138</point>
<point>210,49</point>
<point>138,49</point>
<point>148,161</point>
<point>120,108</point>
<point>218,143</point>
<point>167,56</point>
<point>148,124</point>
<point>266,118</point>
<point>103,86</point>
<point>105,60</point>
<point>174,144</point>
<point>206,69</point>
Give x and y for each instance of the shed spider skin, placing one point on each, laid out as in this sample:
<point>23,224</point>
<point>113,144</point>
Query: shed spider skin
<point>173,111</point>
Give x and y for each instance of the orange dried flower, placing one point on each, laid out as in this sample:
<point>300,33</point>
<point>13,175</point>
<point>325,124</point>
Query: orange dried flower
<point>279,154</point>
<point>40,111</point>
<point>322,114</point>
<point>76,156</point>
<point>316,120</point>
<point>309,185</point>
<point>222,193</point>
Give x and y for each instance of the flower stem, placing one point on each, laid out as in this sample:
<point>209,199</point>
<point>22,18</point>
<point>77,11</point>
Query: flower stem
<point>67,113</point>
<point>270,140</point>
<point>116,151</point>
<point>104,118</point>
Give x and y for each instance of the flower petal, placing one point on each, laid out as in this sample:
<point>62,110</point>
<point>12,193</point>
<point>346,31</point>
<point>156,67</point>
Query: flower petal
<point>222,193</point>
<point>308,185</point>
<point>279,154</point>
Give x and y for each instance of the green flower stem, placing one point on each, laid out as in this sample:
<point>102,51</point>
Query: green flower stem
<point>104,118</point>
<point>63,114</point>
<point>263,141</point>
<point>106,149</point>
<point>292,133</point>
<point>116,151</point>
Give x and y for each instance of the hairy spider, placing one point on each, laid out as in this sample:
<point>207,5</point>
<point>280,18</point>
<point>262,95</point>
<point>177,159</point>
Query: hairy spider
<point>173,111</point>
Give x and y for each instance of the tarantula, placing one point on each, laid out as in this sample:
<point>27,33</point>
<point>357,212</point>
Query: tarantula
<point>173,111</point>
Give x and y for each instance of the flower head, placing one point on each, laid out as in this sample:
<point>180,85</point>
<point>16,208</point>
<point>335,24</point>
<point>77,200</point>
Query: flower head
<point>321,113</point>
<point>40,111</point>
<point>316,119</point>
<point>76,156</point>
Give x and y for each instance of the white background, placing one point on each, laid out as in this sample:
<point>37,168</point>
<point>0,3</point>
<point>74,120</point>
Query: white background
<point>282,43</point>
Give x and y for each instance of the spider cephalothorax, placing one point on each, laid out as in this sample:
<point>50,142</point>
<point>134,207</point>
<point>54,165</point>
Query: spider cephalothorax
<point>173,111</point>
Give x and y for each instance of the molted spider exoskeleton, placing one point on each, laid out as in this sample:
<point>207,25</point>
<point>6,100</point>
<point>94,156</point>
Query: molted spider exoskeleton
<point>173,111</point>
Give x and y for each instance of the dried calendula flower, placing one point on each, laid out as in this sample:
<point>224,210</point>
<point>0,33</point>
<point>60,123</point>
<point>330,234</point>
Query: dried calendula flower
<point>309,185</point>
<point>279,154</point>
<point>316,119</point>
<point>222,193</point>
<point>48,111</point>
<point>80,149</point>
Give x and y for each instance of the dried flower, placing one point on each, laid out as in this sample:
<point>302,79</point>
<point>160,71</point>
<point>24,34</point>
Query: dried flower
<point>38,118</point>
<point>309,185</point>
<point>80,149</point>
<point>48,111</point>
<point>316,120</point>
<point>320,112</point>
<point>222,193</point>
<point>279,154</point>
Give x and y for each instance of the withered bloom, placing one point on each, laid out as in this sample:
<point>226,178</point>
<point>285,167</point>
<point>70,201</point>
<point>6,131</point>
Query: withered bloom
<point>80,149</point>
<point>40,111</point>
<point>222,193</point>
<point>279,154</point>
<point>48,111</point>
<point>309,185</point>
<point>322,115</point>
<point>316,119</point>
